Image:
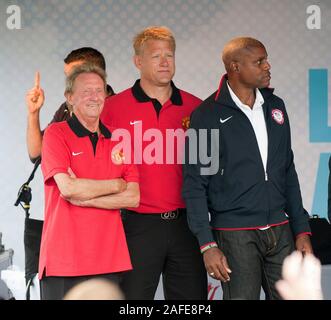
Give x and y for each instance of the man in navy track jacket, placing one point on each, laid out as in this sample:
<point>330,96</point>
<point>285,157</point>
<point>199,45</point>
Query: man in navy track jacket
<point>254,200</point>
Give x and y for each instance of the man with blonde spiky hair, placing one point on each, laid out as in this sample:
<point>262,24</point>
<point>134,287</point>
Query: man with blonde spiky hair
<point>153,33</point>
<point>159,240</point>
<point>254,199</point>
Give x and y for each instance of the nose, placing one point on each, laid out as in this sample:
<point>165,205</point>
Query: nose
<point>267,65</point>
<point>164,61</point>
<point>94,95</point>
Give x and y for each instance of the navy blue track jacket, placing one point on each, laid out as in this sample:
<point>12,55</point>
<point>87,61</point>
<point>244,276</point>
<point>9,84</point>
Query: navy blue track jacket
<point>241,194</point>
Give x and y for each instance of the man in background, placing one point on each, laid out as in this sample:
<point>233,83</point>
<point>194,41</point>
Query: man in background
<point>34,134</point>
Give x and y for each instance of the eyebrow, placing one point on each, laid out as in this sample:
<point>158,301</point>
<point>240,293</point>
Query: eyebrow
<point>261,58</point>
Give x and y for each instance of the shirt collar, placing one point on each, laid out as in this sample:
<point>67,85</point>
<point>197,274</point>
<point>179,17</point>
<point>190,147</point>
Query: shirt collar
<point>141,96</point>
<point>110,90</point>
<point>258,98</point>
<point>81,131</point>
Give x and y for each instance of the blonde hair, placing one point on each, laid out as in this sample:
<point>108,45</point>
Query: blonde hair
<point>234,48</point>
<point>84,68</point>
<point>153,33</point>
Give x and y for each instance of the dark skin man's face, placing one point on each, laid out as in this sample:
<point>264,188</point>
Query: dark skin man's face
<point>254,68</point>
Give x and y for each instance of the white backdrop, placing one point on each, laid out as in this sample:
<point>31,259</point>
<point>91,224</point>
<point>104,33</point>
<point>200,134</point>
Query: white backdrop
<point>50,29</point>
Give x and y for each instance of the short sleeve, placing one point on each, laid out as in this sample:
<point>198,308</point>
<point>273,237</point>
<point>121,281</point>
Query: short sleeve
<point>55,153</point>
<point>130,173</point>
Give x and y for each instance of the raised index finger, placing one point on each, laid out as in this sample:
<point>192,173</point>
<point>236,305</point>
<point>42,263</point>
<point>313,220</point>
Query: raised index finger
<point>37,80</point>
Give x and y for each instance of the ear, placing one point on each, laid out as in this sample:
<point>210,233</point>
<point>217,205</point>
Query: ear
<point>137,61</point>
<point>69,98</point>
<point>234,66</point>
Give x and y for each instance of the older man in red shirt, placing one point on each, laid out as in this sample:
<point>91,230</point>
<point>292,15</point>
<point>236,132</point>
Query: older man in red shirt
<point>86,183</point>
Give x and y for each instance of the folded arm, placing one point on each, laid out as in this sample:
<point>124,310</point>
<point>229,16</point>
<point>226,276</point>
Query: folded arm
<point>85,189</point>
<point>129,198</point>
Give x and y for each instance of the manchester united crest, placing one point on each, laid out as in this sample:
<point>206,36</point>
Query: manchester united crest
<point>118,157</point>
<point>186,123</point>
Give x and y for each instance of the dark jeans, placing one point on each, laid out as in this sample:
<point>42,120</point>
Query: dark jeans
<point>163,247</point>
<point>55,288</point>
<point>255,258</point>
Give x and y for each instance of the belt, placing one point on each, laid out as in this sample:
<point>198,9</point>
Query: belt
<point>168,215</point>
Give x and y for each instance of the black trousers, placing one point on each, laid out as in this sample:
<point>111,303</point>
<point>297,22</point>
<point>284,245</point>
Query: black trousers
<point>55,288</point>
<point>163,247</point>
<point>255,258</point>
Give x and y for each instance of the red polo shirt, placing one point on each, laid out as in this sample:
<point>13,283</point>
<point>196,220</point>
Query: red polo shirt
<point>132,109</point>
<point>75,240</point>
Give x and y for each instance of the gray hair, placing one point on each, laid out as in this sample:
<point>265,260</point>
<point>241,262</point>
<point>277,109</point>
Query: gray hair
<point>84,68</point>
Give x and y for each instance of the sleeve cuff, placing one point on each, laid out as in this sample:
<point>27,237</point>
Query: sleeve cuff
<point>53,172</point>
<point>132,179</point>
<point>299,228</point>
<point>205,237</point>
<point>208,244</point>
<point>303,234</point>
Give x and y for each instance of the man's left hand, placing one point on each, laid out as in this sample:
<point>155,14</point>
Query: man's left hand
<point>303,244</point>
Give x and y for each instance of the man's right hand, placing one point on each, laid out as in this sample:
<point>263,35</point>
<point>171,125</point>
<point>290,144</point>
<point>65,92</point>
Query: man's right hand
<point>35,97</point>
<point>216,264</point>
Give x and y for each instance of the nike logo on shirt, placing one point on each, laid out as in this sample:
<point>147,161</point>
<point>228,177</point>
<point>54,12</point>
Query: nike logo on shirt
<point>134,122</point>
<point>76,153</point>
<point>225,120</point>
